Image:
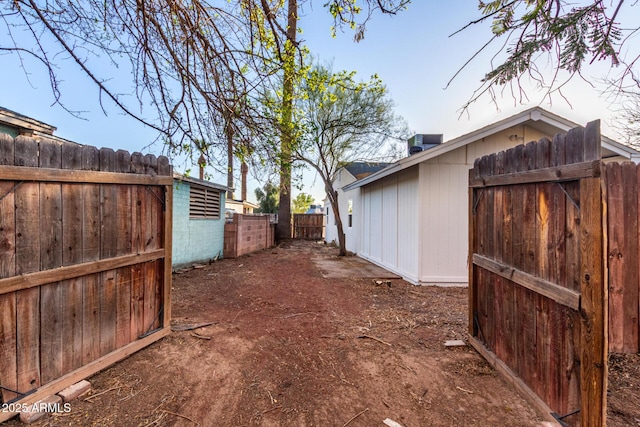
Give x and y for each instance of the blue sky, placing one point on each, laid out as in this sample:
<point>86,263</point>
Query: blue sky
<point>411,52</point>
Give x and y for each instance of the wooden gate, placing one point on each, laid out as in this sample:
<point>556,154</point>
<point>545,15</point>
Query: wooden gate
<point>308,226</point>
<point>85,261</point>
<point>537,292</point>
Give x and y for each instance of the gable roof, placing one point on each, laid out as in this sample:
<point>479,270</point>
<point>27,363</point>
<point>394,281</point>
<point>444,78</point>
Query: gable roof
<point>538,118</point>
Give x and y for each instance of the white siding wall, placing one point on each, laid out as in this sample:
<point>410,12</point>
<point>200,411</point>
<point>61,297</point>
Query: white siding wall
<point>443,256</point>
<point>390,218</point>
<point>331,231</point>
<point>444,184</point>
<point>375,214</point>
<point>390,223</point>
<point>408,224</point>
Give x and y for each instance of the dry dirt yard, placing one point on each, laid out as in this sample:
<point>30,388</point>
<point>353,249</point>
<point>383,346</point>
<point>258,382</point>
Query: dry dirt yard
<point>291,348</point>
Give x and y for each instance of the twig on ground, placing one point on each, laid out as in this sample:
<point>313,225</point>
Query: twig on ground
<point>181,416</point>
<point>156,421</point>
<point>202,337</point>
<point>464,389</point>
<point>191,326</point>
<point>375,339</point>
<point>236,316</point>
<point>133,394</point>
<point>416,293</point>
<point>288,316</point>
<point>355,416</point>
<point>271,409</point>
<point>88,398</point>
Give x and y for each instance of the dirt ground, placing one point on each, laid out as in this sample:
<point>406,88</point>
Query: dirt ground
<point>291,348</point>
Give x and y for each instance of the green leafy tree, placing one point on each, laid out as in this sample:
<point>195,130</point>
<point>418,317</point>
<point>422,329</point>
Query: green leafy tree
<point>302,202</point>
<point>344,121</point>
<point>552,41</point>
<point>268,198</point>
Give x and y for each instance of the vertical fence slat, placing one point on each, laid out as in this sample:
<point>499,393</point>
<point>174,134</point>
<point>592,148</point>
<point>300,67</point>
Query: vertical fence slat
<point>91,252</point>
<point>616,254</point>
<point>72,226</point>
<point>123,247</point>
<point>108,249</point>
<point>593,361</point>
<point>27,200</point>
<point>51,312</point>
<point>629,258</point>
<point>8,349</point>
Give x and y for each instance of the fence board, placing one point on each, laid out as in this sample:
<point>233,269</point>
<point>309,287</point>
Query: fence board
<point>593,361</point>
<point>623,254</point>
<point>108,312</point>
<point>8,346</point>
<point>51,346</point>
<point>137,301</point>
<point>27,255</point>
<point>72,323</point>
<point>631,306</point>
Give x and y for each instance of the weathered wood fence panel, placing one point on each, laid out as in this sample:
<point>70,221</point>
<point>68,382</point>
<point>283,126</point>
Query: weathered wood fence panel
<point>537,286</point>
<point>623,255</point>
<point>308,226</point>
<point>85,264</point>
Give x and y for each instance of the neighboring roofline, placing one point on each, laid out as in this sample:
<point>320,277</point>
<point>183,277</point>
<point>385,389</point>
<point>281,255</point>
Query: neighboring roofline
<point>243,202</point>
<point>190,180</point>
<point>24,122</point>
<point>533,114</point>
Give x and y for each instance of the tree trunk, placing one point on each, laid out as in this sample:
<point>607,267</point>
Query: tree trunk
<point>342,243</point>
<point>229,134</point>
<point>283,229</point>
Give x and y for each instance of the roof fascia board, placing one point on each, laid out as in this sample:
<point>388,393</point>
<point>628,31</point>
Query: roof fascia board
<point>178,177</point>
<point>446,147</point>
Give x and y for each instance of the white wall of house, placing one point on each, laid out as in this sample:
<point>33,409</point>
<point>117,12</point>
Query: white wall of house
<point>390,219</point>
<point>352,234</point>
<point>415,222</point>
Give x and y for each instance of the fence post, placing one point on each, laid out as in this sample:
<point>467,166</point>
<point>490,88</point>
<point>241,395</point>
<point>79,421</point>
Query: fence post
<point>593,310</point>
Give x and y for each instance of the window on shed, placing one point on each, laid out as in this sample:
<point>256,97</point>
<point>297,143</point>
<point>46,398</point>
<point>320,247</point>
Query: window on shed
<point>204,202</point>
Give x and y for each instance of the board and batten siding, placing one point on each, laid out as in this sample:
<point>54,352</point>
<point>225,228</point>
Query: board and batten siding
<point>415,222</point>
<point>444,230</point>
<point>389,216</point>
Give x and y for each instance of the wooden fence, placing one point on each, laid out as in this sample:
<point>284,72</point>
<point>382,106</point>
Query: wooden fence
<point>537,295</point>
<point>623,255</point>
<point>308,226</point>
<point>85,261</point>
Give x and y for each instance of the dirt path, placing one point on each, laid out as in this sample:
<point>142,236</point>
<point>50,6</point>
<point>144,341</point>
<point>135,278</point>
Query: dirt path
<point>290,348</point>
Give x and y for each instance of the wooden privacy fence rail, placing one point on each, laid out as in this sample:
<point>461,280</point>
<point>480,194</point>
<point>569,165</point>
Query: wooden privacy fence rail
<point>85,261</point>
<point>537,286</point>
<point>308,226</point>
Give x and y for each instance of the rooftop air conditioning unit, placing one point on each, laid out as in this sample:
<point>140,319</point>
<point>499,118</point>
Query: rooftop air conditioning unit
<point>422,142</point>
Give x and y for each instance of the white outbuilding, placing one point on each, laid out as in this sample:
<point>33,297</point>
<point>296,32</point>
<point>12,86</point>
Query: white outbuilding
<point>411,217</point>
